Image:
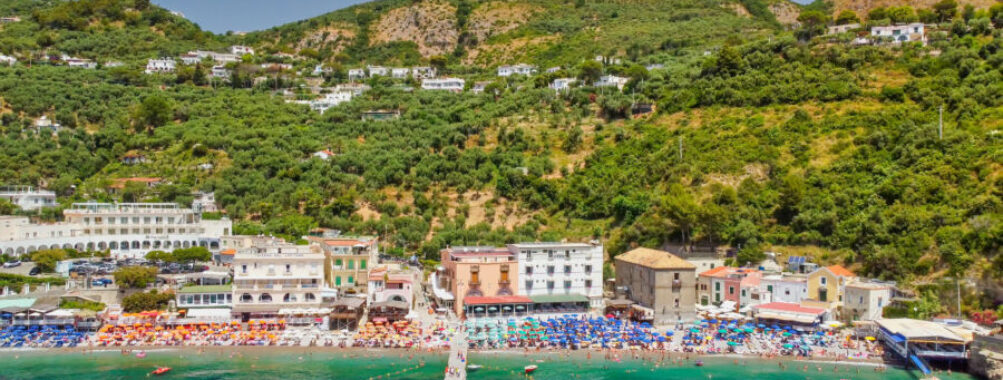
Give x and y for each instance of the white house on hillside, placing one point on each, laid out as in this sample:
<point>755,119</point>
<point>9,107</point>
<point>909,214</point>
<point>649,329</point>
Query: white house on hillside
<point>914,32</point>
<point>323,154</point>
<point>520,69</point>
<point>422,72</point>
<point>562,84</point>
<point>449,84</point>
<point>356,74</point>
<point>241,50</point>
<point>163,65</point>
<point>400,72</point>
<point>611,81</point>
<point>378,70</point>
<point>7,60</point>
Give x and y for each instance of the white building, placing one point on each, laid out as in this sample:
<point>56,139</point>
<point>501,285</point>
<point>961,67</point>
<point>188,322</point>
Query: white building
<point>837,29</point>
<point>378,70</point>
<point>323,154</point>
<point>390,282</point>
<point>113,64</point>
<point>27,197</point>
<point>422,72</point>
<point>241,50</point>
<point>654,66</point>
<point>562,84</point>
<point>785,288</point>
<point>560,269</point>
<point>400,72</point>
<point>448,84</point>
<point>329,100</point>
<point>82,63</point>
<point>276,66</point>
<point>271,275</point>
<point>221,72</point>
<point>520,69</point>
<point>553,69</point>
<point>901,33</point>
<point>356,74</point>
<point>865,301</point>
<point>320,70</point>
<point>355,89</point>
<point>7,60</point>
<point>163,65</point>
<point>43,124</point>
<point>204,202</point>
<point>611,81</point>
<point>125,229</point>
<point>196,56</point>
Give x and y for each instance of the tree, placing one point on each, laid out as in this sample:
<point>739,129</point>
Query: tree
<point>590,71</point>
<point>135,277</point>
<point>158,256</point>
<point>879,13</point>
<point>46,259</point>
<point>574,139</point>
<point>153,300</point>
<point>945,10</point>
<point>968,13</point>
<point>154,111</point>
<point>813,24</point>
<point>847,17</point>
<point>902,14</point>
<point>996,14</point>
<point>7,208</point>
<point>193,254</point>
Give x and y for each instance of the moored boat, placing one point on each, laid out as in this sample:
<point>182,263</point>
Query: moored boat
<point>699,363</point>
<point>473,367</point>
<point>530,368</point>
<point>160,371</point>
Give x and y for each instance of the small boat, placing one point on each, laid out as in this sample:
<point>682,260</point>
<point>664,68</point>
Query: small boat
<point>141,354</point>
<point>160,371</point>
<point>530,368</point>
<point>473,367</point>
<point>699,363</point>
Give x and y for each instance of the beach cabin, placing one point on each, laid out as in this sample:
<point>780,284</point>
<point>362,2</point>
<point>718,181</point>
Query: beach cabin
<point>918,341</point>
<point>789,314</point>
<point>346,313</point>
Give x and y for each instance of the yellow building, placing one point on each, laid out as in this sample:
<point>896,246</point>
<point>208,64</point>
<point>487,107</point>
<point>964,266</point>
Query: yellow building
<point>825,286</point>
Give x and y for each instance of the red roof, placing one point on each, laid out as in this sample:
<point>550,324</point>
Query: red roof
<point>790,307</point>
<point>840,271</point>
<point>712,272</point>
<point>477,300</point>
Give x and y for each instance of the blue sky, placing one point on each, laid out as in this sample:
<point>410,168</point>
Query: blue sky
<point>220,16</point>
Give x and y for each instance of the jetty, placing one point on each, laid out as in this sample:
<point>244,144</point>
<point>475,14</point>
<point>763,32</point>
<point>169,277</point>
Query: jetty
<point>457,365</point>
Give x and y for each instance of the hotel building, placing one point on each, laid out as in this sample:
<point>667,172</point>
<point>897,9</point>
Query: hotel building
<point>348,259</point>
<point>562,273</point>
<point>272,275</point>
<point>125,229</point>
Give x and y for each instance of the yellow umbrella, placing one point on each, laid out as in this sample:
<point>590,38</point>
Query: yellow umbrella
<point>870,338</point>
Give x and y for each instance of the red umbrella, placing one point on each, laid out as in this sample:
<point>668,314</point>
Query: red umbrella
<point>610,316</point>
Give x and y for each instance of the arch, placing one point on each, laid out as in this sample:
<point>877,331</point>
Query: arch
<point>289,298</point>
<point>156,244</point>
<point>475,293</point>
<point>54,246</point>
<point>31,249</point>
<point>90,246</point>
<point>246,298</point>
<point>146,244</point>
<point>124,245</point>
<point>194,244</point>
<point>167,244</point>
<point>309,297</point>
<point>265,297</point>
<point>113,245</point>
<point>177,244</point>
<point>67,246</point>
<point>102,245</point>
<point>9,251</point>
<point>184,244</point>
<point>202,243</point>
<point>135,244</point>
<point>20,250</point>
<point>214,245</point>
<point>79,246</point>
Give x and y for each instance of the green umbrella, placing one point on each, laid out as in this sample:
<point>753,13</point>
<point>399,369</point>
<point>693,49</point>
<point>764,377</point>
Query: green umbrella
<point>723,331</point>
<point>786,334</point>
<point>788,346</point>
<point>732,343</point>
<point>749,330</point>
<point>694,331</point>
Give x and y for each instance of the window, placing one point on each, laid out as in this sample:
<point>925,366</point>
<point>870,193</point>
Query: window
<point>288,268</point>
<point>567,284</point>
<point>861,300</point>
<point>675,276</point>
<point>677,302</point>
<point>588,269</point>
<point>769,288</point>
<point>337,262</point>
<point>567,269</point>
<point>246,298</point>
<point>550,269</point>
<point>717,286</point>
<point>243,268</point>
<point>787,292</point>
<point>309,297</point>
<point>337,281</point>
<point>265,297</point>
<point>880,302</point>
<point>362,264</point>
<point>821,280</point>
<point>529,270</point>
<point>351,264</point>
<point>743,292</point>
<point>550,285</point>
<point>529,284</point>
<point>731,290</point>
<point>351,280</point>
<point>588,284</point>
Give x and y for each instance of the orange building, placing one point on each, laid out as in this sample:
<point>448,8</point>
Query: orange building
<point>485,275</point>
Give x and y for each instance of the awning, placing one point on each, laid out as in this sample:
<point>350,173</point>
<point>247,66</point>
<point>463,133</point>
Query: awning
<point>559,298</point>
<point>60,313</point>
<point>478,300</point>
<point>209,313</point>
<point>798,318</point>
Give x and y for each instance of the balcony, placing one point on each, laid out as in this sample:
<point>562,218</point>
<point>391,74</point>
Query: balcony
<point>475,283</point>
<point>309,286</point>
<point>504,283</point>
<point>677,285</point>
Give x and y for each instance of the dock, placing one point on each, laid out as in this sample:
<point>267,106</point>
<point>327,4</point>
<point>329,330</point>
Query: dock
<point>457,356</point>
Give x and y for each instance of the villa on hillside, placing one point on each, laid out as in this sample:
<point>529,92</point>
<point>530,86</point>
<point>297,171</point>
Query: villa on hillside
<point>519,69</point>
<point>163,65</point>
<point>448,84</point>
<point>914,32</point>
<point>562,84</point>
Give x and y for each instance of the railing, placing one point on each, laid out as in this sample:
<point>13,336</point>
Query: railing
<point>309,286</point>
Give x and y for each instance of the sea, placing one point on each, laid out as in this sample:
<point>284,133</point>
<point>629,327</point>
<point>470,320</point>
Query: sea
<point>297,364</point>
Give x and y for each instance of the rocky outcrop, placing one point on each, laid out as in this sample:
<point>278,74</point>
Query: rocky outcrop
<point>429,24</point>
<point>986,358</point>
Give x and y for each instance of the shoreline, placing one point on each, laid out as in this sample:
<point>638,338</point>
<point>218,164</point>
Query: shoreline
<point>403,352</point>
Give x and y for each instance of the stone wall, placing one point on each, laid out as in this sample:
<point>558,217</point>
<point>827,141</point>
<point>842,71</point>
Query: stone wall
<point>986,359</point>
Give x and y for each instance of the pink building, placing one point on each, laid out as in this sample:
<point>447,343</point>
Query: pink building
<point>489,274</point>
<point>739,285</point>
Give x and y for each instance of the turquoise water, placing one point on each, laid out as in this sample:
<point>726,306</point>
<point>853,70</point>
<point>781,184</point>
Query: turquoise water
<point>296,364</point>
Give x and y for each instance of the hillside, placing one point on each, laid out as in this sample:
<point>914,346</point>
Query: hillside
<point>544,32</point>
<point>862,7</point>
<point>759,138</point>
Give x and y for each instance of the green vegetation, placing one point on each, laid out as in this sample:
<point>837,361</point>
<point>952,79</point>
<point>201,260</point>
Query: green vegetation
<point>135,277</point>
<point>181,255</point>
<point>789,138</point>
<point>138,302</point>
<point>82,305</point>
<point>16,282</point>
<point>46,259</point>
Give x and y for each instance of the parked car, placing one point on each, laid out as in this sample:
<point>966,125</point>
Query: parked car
<point>35,271</point>
<point>102,282</point>
<point>12,264</point>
